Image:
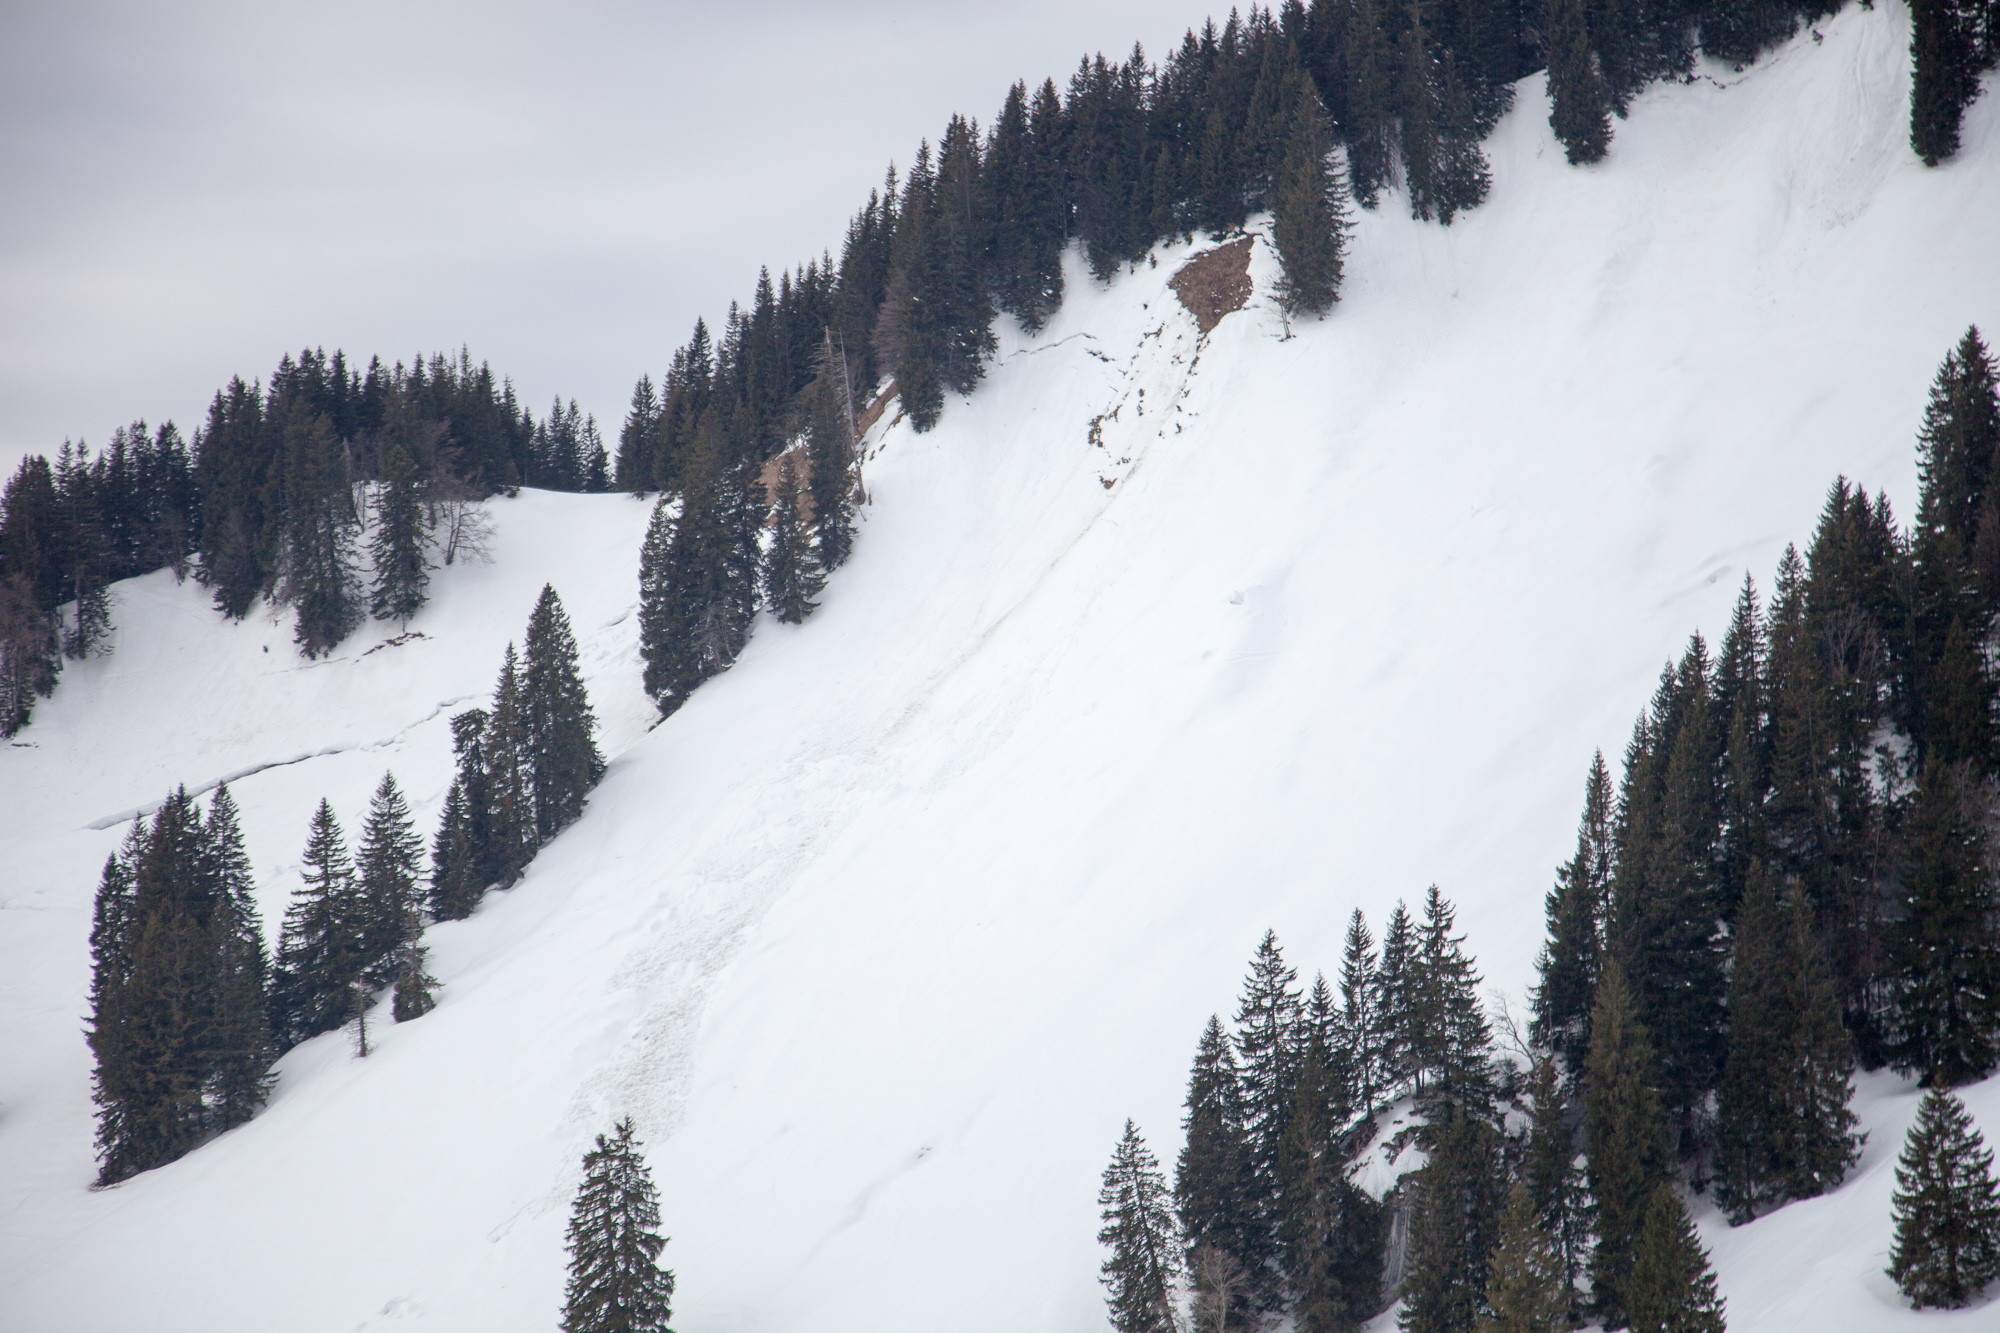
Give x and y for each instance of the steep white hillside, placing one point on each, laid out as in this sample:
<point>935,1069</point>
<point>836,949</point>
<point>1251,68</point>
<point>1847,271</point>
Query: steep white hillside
<point>883,935</point>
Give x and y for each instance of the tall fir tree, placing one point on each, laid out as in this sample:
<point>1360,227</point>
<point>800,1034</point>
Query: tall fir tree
<point>1947,1208</point>
<point>1944,59</point>
<point>1554,1179</point>
<point>1360,1027</point>
<point>1527,1290</point>
<point>792,576</point>
<point>1140,1273</point>
<point>509,793</point>
<point>1309,211</point>
<point>1578,908</point>
<point>1454,1219</point>
<point>320,579</point>
<point>319,955</point>
<point>1212,1184</point>
<point>1783,1129</point>
<point>389,884</point>
<point>1448,1033</point>
<point>402,572</point>
<point>1393,983</point>
<point>1330,1234</point>
<point>1944,954</point>
<point>616,1284</point>
<point>1672,1289</point>
<point>241,1049</point>
<point>1628,1145</point>
<point>1267,1022</point>
<point>1579,105</point>
<point>462,854</point>
<point>563,762</point>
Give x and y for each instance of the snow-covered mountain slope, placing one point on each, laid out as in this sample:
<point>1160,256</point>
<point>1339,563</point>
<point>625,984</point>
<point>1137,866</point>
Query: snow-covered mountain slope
<point>883,935</point>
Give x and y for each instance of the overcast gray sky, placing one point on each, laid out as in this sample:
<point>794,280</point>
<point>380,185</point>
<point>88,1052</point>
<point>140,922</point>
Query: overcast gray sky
<point>188,191</point>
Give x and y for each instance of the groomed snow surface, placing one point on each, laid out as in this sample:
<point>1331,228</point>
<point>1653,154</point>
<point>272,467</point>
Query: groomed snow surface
<point>881,938</point>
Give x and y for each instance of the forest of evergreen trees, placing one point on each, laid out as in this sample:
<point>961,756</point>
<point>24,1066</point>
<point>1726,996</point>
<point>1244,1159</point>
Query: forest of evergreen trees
<point>276,496</point>
<point>1798,872</point>
<point>188,1009</point>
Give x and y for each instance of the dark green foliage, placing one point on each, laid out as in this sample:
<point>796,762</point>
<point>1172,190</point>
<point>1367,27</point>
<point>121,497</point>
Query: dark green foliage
<point>616,1284</point>
<point>177,989</point>
<point>1442,163</point>
<point>462,854</point>
<point>319,952</point>
<point>1947,1208</point>
<point>1672,1289</point>
<point>1527,1290</point>
<point>1629,1149</point>
<point>698,573</point>
<point>1784,1130</point>
<point>1579,106</point>
<point>510,800</point>
<point>1140,1272</point>
<point>1393,981</point>
<point>318,564</point>
<point>82,556</point>
<point>416,988</point>
<point>638,439</point>
<point>1944,955</point>
<point>1309,205</point>
<point>1554,1179</point>
<point>1267,1024</point>
<point>1742,30</point>
<point>792,575</point>
<point>1945,63</point>
<point>1578,908</point>
<point>402,573</point>
<point>1446,1030</point>
<point>1213,1189</point>
<point>1330,1234</point>
<point>562,762</point>
<point>1454,1221</point>
<point>1368,122</point>
<point>390,885</point>
<point>830,459</point>
<point>1361,1024</point>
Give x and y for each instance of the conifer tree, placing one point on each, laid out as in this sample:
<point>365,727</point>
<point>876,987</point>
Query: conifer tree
<point>509,795</point>
<point>462,855</point>
<point>1578,907</point>
<point>319,953</point>
<point>616,1284</point>
<point>1947,1208</point>
<point>1212,1185</point>
<point>1944,79</point>
<point>1369,123</point>
<point>830,459</point>
<point>1309,211</point>
<point>1629,1150</point>
<point>319,567</point>
<point>114,1084</point>
<point>416,988</point>
<point>1944,955</point>
<point>1671,1289</point>
<point>1453,1221</point>
<point>1360,1028</point>
<point>1267,1020</point>
<point>792,577</point>
<point>563,763</point>
<point>1555,1181</point>
<point>402,573</point>
<point>1527,1290</point>
<point>1140,1273</point>
<point>241,1048</point>
<point>81,555</point>
<point>1579,106</point>
<point>1784,1130</point>
<point>1329,1233</point>
<point>1448,1032</point>
<point>1393,982</point>
<point>390,884</point>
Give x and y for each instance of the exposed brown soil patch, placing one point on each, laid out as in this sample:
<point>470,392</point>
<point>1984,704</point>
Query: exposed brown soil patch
<point>1215,282</point>
<point>769,477</point>
<point>872,413</point>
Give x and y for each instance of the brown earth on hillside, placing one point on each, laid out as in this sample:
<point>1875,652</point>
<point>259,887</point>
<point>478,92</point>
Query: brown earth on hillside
<point>1215,282</point>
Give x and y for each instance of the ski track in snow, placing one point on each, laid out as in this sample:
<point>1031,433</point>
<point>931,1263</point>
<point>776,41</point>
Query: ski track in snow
<point>882,936</point>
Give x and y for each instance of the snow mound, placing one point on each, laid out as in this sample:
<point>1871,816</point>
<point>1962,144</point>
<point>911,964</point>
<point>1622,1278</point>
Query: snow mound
<point>1155,642</point>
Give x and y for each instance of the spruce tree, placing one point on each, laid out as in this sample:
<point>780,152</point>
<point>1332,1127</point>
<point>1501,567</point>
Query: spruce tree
<point>830,458</point>
<point>1784,1130</point>
<point>402,573</point>
<point>1947,1208</point>
<point>1448,1031</point>
<point>1453,1224</point>
<point>1578,908</point>
<point>319,564</point>
<point>241,1049</point>
<point>792,577</point>
<point>319,952</point>
<point>1267,1020</point>
<point>1360,1028</point>
<point>1671,1289</point>
<point>1944,78</point>
<point>1944,954</point>
<point>1329,1232</point>
<point>1554,1180</point>
<point>1309,211</point>
<point>416,988</point>
<point>462,854</point>
<point>1527,1290</point>
<point>509,795</point>
<point>1140,1273</point>
<point>563,763</point>
<point>114,1085</point>
<point>1369,122</point>
<point>1212,1186</point>
<point>1579,106</point>
<point>1629,1149</point>
<point>390,884</point>
<point>1393,980</point>
<point>616,1284</point>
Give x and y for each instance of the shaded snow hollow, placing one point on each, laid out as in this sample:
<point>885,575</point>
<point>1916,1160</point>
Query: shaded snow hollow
<point>882,937</point>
